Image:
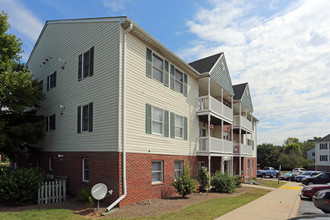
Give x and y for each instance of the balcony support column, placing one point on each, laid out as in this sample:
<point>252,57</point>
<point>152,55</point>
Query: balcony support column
<point>240,141</point>
<point>222,143</point>
<point>209,157</point>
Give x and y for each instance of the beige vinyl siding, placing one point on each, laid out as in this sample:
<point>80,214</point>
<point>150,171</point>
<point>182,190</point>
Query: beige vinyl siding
<point>67,41</point>
<point>141,90</point>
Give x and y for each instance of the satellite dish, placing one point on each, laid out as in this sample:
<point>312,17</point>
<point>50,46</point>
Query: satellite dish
<point>99,191</point>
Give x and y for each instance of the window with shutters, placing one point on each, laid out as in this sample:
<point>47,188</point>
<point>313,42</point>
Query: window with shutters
<point>86,64</point>
<point>51,122</point>
<point>178,126</point>
<point>157,68</point>
<point>85,118</point>
<point>178,81</point>
<point>85,169</point>
<point>157,120</point>
<point>323,157</point>
<point>324,146</point>
<point>156,172</point>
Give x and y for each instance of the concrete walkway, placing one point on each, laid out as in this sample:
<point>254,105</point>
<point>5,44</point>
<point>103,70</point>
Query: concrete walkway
<point>281,203</point>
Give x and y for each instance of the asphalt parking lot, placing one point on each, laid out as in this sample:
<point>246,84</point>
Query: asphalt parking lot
<point>307,207</point>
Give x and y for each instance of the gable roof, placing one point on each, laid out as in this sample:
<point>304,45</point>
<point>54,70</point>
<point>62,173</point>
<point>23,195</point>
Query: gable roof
<point>205,64</point>
<point>239,90</point>
<point>324,139</point>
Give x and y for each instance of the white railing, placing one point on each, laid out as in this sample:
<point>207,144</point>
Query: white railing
<point>216,145</point>
<point>246,149</point>
<point>52,192</point>
<point>212,104</point>
<point>244,122</point>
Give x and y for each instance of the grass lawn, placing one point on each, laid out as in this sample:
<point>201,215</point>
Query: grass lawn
<point>270,183</point>
<point>208,209</point>
<point>41,214</point>
<point>213,208</point>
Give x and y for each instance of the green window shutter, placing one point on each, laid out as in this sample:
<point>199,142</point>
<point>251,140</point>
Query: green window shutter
<point>172,76</point>
<point>91,62</point>
<point>148,119</point>
<point>54,121</point>
<point>166,125</point>
<point>90,117</point>
<point>80,67</point>
<point>166,73</point>
<point>149,63</point>
<point>185,79</point>
<point>79,120</point>
<point>185,129</point>
<point>55,79</point>
<point>172,125</point>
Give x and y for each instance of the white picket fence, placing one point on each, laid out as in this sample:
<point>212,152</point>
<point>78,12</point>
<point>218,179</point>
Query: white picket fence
<point>52,192</point>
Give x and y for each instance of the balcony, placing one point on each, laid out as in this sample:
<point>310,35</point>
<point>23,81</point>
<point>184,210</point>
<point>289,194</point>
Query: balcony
<point>244,122</point>
<point>209,103</point>
<point>216,145</point>
<point>245,149</point>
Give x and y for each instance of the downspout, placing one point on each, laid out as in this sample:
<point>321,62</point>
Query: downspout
<point>123,122</point>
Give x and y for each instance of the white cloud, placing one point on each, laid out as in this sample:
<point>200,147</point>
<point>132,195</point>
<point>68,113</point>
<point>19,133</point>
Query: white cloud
<point>285,58</point>
<point>21,19</point>
<point>115,5</point>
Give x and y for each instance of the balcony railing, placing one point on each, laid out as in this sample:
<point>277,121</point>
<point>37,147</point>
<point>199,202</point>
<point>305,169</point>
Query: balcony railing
<point>209,103</point>
<point>244,122</point>
<point>245,149</point>
<point>216,145</point>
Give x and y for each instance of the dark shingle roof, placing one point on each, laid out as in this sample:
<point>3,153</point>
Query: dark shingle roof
<point>324,139</point>
<point>239,90</point>
<point>205,64</point>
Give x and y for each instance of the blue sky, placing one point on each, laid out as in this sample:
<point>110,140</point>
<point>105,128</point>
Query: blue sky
<point>281,47</point>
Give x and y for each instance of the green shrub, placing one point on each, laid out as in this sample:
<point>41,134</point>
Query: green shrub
<point>223,182</point>
<point>203,179</point>
<point>185,185</point>
<point>85,196</point>
<point>238,180</point>
<point>19,187</point>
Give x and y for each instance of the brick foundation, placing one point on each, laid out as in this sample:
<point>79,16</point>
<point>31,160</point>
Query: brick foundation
<point>323,168</point>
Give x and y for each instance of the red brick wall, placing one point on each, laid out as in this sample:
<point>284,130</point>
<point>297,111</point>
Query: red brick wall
<point>323,168</point>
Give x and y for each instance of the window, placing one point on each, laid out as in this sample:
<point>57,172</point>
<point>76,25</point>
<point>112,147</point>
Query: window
<point>85,169</point>
<point>323,146</point>
<point>178,126</point>
<point>313,154</point>
<point>51,81</point>
<point>157,171</point>
<point>157,120</point>
<point>50,163</point>
<point>50,122</point>
<point>85,118</point>
<point>323,157</point>
<point>157,68</point>
<point>178,81</point>
<point>86,64</point>
<point>178,169</point>
<point>248,164</point>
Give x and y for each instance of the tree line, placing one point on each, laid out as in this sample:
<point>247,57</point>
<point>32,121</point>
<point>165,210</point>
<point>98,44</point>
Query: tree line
<point>291,154</point>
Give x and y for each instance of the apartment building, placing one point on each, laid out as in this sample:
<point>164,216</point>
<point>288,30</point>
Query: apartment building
<point>124,110</point>
<point>322,154</point>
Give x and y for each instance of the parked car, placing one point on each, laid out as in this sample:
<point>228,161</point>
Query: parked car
<point>305,174</point>
<point>298,170</point>
<point>309,191</point>
<point>321,200</point>
<point>322,178</point>
<point>268,171</point>
<point>285,176</point>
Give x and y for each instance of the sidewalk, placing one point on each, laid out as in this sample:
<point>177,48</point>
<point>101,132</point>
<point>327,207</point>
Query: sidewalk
<point>281,203</point>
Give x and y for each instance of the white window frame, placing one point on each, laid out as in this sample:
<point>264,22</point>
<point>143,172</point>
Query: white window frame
<point>84,179</point>
<point>176,80</point>
<point>177,126</point>
<point>82,118</point>
<point>161,171</point>
<point>50,163</point>
<point>83,64</point>
<point>49,119</point>
<point>53,75</point>
<point>161,122</point>
<point>180,170</point>
<point>324,146</point>
<point>152,67</point>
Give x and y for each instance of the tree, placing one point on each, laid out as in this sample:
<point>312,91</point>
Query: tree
<point>292,147</point>
<point>292,160</point>
<point>268,155</point>
<point>308,145</point>
<point>20,97</point>
<point>292,140</point>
